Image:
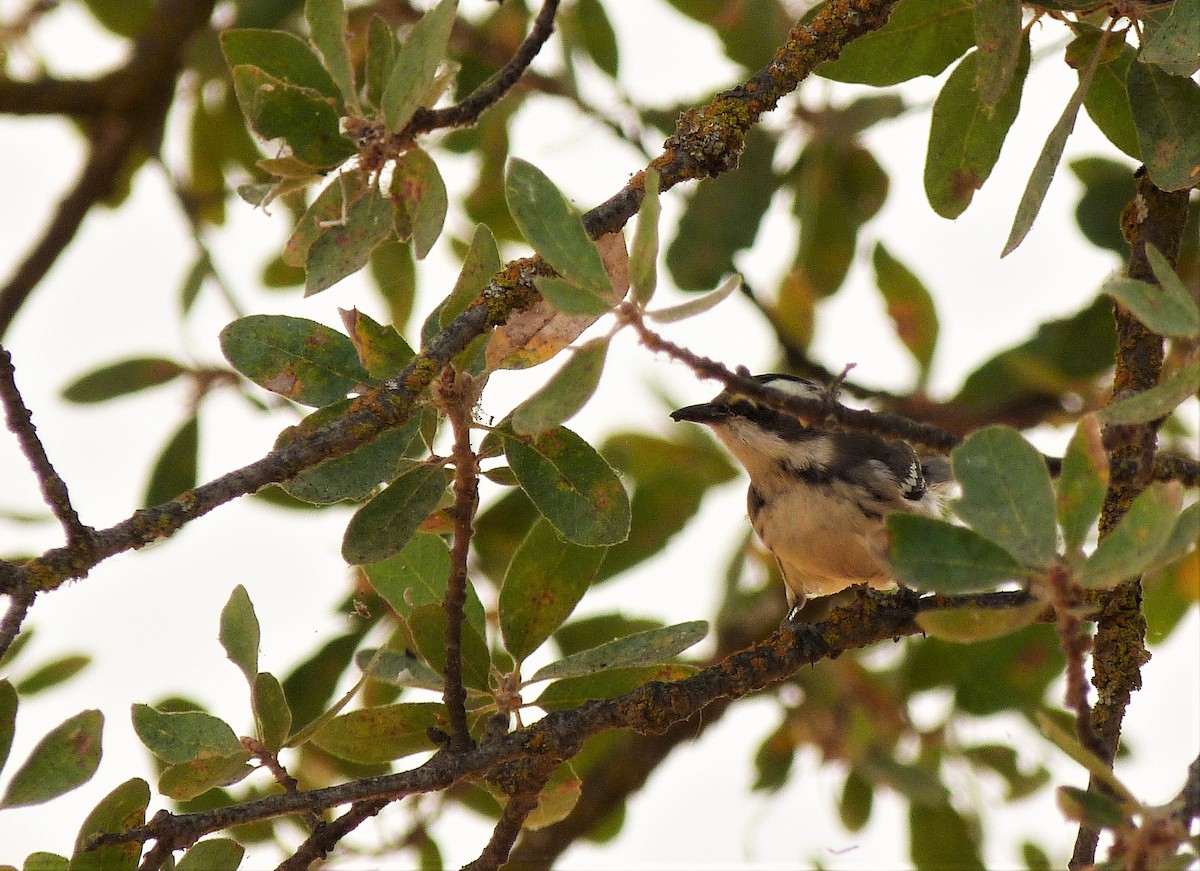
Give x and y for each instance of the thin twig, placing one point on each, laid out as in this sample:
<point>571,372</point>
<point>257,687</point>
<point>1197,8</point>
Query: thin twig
<point>327,835</point>
<point>518,808</point>
<point>19,603</point>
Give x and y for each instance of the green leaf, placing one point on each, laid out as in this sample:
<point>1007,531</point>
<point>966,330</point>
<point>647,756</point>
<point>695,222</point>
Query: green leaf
<point>126,18</point>
<point>557,798</point>
<point>998,33</point>
<point>329,207</point>
<point>185,781</point>
<point>214,854</point>
<point>597,35</point>
<point>587,632</point>
<point>1172,285</point>
<point>930,554</point>
<point>544,582</point>
<point>302,117</point>
<point>121,379</point>
<point>327,29</point>
<point>1185,536</point>
<point>354,476</point>
<point>909,305</point>
<point>42,861</point>
<point>570,299</point>
<point>384,525</point>
<point>1132,546</point>
<point>1175,45</point>
<point>175,469</point>
<point>565,393</point>
<point>1004,760</point>
<point>571,485</point>
<point>8,719</point>
<point>654,647</point>
<point>344,247</point>
<point>1081,484</point>
<point>966,133</point>
<point>280,54</point>
<point>66,757</point>
<point>1090,807</point>
<point>1108,187</point>
<point>571,692</point>
<point>183,736</point>
<point>418,575</point>
<point>921,38</point>
<point>401,669</point>
<point>1160,308</point>
<point>940,838</point>
<point>427,623</point>
<point>1107,99</point>
<point>122,809</point>
<point>480,263</point>
<point>381,734</point>
<point>643,257</point>
<point>972,625</point>
<point>52,674</point>
<point>419,201</point>
<point>239,633</point>
<point>300,359</point>
<point>697,306</point>
<point>1069,744</point>
<point>1166,112</point>
<point>1007,496</point>
<point>415,68</point>
<point>855,804</point>
<point>381,350</point>
<point>381,54</point>
<point>1157,401</point>
<point>272,715</point>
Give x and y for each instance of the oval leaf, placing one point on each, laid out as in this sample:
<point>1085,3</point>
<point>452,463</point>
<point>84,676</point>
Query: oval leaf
<point>427,625</point>
<point>929,554</point>
<point>654,647</point>
<point>909,305</point>
<point>121,379</point>
<point>239,633</point>
<point>696,306</point>
<point>345,246</point>
<point>272,716</point>
<point>1081,484</point>
<point>215,854</point>
<point>565,393</point>
<point>187,780</point>
<point>381,734</point>
<point>65,758</point>
<point>301,117</point>
<point>1166,112</point>
<point>122,809</point>
<point>415,68</point>
<point>571,485</point>
<point>571,692</point>
<point>1160,308</point>
<point>419,200</point>
<point>8,719</point>
<point>643,257</point>
<point>279,53</point>
<point>1157,401</point>
<point>399,669</point>
<point>1007,496</point>
<point>971,625</point>
<point>1134,543</point>
<point>183,736</point>
<point>327,28</point>
<point>384,525</point>
<point>175,469</point>
<point>297,358</point>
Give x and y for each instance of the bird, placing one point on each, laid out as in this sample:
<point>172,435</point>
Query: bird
<point>818,497</point>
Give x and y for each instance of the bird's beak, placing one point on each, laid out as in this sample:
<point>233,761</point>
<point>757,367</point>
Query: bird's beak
<point>705,412</point>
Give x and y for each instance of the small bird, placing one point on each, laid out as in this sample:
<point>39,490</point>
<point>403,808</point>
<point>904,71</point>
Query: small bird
<point>818,497</point>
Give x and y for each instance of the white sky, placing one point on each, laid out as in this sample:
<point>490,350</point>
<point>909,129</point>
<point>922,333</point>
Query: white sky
<point>150,618</point>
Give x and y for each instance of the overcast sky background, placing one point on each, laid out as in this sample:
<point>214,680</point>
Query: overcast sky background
<point>150,618</point>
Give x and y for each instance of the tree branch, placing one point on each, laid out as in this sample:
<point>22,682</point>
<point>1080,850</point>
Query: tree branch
<point>326,836</point>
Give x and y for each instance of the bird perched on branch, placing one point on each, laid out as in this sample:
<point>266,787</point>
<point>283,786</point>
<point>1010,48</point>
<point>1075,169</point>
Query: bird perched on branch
<point>818,496</point>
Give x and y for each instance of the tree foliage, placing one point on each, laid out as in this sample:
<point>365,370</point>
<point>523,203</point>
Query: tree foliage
<point>471,541</point>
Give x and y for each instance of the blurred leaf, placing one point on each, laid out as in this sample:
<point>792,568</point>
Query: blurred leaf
<point>1081,484</point>
<point>121,379</point>
<point>1175,45</point>
<point>428,626</point>
<point>175,469</point>
<point>381,734</point>
<point>1002,759</point>
<point>302,117</point>
<point>381,54</point>
<point>1185,536</point>
<point>239,633</point>
<point>971,625</point>
<point>183,736</point>
<point>401,669</point>
<point>213,854</point>
<point>941,839</point>
<point>1165,309</point>
<point>384,525</point>
<point>643,258</point>
<point>998,33</point>
<point>1166,112</point>
<point>394,276</point>
<point>553,227</point>
<point>921,38</point>
<point>381,350</point>
<point>42,861</point>
<point>187,780</point>
<point>51,675</point>
<point>1107,98</point>
<point>571,485</point>
<point>570,299</point>
<point>565,393</point>
<point>282,55</point>
<point>544,582</point>
<point>839,186</point>
<point>749,30</point>
<point>19,643</point>
<point>1090,807</point>
<point>311,684</point>
<point>300,359</point>
<point>8,719</point>
<point>126,18</point>
<point>65,758</point>
<point>570,692</point>
<point>596,35</point>
<point>353,476</point>
<point>1035,857</point>
<point>273,718</point>
<point>854,806</point>
<point>1157,401</point>
<point>480,263</point>
<point>344,247</point>
<point>1069,744</point>
<point>122,809</point>
<point>654,647</point>
<point>697,306</point>
<point>1134,543</point>
<point>327,28</point>
<point>910,307</point>
<point>419,201</point>
<point>967,130</point>
<point>930,554</point>
<point>1108,186</point>
<point>418,575</point>
<point>722,217</point>
<point>557,798</point>
<point>415,68</point>
<point>1006,493</point>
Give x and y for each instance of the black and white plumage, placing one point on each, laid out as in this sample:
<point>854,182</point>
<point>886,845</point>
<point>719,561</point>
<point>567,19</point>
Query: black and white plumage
<point>818,497</point>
